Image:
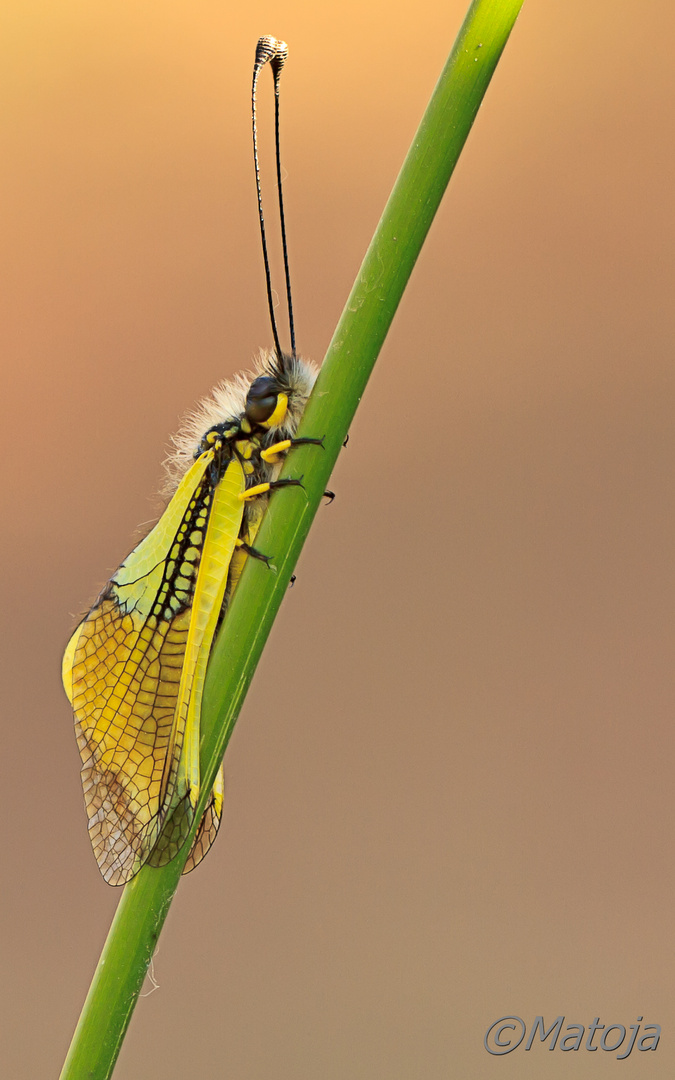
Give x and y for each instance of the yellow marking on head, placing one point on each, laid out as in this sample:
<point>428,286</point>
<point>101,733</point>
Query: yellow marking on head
<point>279,414</point>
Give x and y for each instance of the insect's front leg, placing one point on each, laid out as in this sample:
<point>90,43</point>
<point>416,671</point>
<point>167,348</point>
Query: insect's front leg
<point>273,455</point>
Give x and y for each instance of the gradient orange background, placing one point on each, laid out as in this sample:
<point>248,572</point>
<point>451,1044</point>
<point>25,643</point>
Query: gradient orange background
<point>460,804</point>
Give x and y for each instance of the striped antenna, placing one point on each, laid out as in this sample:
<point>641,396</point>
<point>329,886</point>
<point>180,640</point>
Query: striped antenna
<point>269,50</point>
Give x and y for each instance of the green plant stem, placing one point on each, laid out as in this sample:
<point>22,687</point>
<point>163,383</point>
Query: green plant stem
<point>349,361</point>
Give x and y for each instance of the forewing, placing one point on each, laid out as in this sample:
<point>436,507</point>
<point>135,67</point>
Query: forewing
<point>122,671</point>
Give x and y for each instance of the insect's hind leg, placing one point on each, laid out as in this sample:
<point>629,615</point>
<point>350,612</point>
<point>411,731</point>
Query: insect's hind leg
<point>253,552</point>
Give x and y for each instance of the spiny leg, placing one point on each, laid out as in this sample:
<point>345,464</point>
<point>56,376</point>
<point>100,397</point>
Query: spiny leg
<point>253,552</point>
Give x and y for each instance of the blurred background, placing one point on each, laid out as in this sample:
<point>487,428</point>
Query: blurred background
<point>464,806</point>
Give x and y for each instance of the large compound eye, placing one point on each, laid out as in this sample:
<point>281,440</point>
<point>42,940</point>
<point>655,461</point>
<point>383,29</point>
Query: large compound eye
<point>261,400</point>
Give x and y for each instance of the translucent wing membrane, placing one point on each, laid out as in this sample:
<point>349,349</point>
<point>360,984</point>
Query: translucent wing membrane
<point>134,671</point>
<point>208,826</point>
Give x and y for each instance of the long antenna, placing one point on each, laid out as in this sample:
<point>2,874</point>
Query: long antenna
<point>276,64</point>
<point>275,52</point>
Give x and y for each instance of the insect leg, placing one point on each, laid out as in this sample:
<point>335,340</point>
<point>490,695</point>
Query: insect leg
<point>272,454</point>
<point>309,442</point>
<point>253,552</point>
<point>262,489</point>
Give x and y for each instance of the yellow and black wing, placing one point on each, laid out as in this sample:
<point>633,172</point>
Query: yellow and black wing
<point>134,672</point>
